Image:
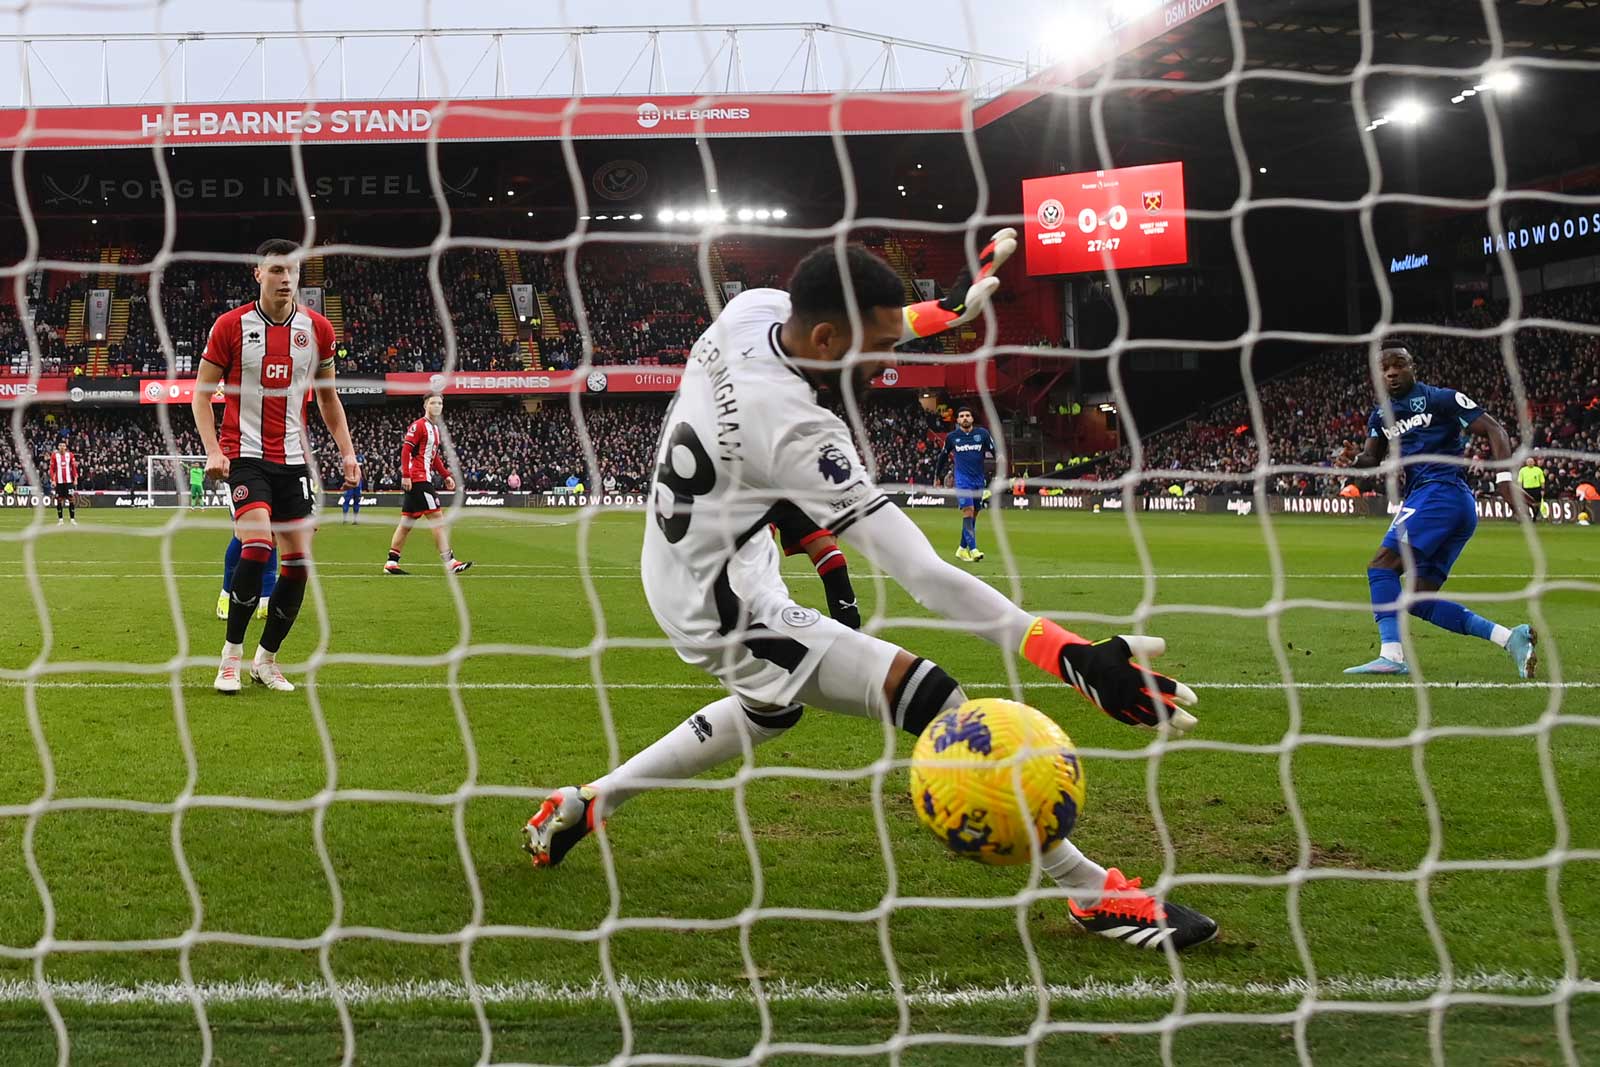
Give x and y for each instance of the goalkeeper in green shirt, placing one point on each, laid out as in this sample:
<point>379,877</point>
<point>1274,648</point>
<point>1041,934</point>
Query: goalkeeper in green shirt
<point>197,486</point>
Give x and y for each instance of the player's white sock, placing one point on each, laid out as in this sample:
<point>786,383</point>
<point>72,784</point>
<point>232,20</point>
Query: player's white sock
<point>263,656</point>
<point>1393,650</point>
<point>230,649</point>
<point>447,555</point>
<point>1500,635</point>
<point>1082,878</point>
<point>709,737</point>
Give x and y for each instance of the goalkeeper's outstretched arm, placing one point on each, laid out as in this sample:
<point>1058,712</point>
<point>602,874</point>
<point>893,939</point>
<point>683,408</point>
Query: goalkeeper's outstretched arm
<point>966,297</point>
<point>1101,671</point>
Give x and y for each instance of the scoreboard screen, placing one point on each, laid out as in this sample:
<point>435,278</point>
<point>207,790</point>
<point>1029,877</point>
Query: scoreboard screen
<point>1124,218</point>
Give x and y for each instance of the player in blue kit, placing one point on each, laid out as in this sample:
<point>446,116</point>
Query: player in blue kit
<point>1437,516</point>
<point>970,446</point>
<point>352,495</point>
<point>269,579</point>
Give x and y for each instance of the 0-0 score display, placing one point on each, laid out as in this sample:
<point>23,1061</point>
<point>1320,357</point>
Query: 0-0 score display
<point>1127,217</point>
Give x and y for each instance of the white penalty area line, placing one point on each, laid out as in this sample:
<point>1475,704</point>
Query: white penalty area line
<point>565,572</point>
<point>662,991</point>
<point>988,687</point>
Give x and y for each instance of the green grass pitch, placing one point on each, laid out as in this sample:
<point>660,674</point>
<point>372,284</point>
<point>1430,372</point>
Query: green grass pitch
<point>437,763</point>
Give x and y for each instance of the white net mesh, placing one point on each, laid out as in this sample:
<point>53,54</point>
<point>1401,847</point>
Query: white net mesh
<point>931,1000</point>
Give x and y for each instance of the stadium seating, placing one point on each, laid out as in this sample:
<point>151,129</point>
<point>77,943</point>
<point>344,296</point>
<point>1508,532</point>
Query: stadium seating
<point>643,304</point>
<point>1316,415</point>
<point>542,447</point>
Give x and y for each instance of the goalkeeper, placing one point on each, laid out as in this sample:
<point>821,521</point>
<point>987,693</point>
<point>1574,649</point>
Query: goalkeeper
<point>197,486</point>
<point>746,432</point>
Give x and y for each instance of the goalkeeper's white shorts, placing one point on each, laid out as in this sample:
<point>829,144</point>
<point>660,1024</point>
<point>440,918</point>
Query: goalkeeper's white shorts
<point>794,654</point>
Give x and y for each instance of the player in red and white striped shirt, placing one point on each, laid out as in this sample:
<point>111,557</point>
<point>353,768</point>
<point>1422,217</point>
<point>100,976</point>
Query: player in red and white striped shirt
<point>270,355</point>
<point>421,458</point>
<point>64,480</point>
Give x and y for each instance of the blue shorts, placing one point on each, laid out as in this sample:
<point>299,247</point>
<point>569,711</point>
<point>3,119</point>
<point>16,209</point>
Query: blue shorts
<point>969,496</point>
<point>1437,521</point>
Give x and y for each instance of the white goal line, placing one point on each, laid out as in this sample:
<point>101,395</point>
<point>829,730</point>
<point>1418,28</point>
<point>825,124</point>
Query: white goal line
<point>654,991</point>
<point>534,570</point>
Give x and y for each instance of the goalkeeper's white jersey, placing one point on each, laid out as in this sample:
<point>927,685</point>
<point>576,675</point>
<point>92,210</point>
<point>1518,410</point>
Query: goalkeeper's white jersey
<point>744,432</point>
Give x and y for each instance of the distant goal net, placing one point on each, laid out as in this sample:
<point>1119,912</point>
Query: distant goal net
<point>171,482</point>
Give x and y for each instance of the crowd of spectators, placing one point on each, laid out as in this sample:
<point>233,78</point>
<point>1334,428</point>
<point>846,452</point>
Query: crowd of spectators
<point>1316,415</point>
<point>639,307</point>
<point>393,321</point>
<point>498,445</point>
<point>111,445</point>
<point>636,312</point>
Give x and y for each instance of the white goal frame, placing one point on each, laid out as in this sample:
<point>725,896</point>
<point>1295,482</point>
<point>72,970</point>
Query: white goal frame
<point>181,495</point>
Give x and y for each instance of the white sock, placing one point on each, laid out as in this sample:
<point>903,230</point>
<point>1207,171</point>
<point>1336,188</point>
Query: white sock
<point>1500,635</point>
<point>1393,650</point>
<point>230,649</point>
<point>706,739</point>
<point>1082,878</point>
<point>447,555</point>
<point>263,656</point>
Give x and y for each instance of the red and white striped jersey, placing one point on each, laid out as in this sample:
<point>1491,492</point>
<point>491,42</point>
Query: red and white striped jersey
<point>63,467</point>
<point>422,453</point>
<point>267,369</point>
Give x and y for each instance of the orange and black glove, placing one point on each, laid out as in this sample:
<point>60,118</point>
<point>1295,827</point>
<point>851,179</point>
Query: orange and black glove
<point>1104,672</point>
<point>965,299</point>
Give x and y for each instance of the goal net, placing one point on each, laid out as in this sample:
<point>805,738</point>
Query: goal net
<point>169,482</point>
<point>1246,207</point>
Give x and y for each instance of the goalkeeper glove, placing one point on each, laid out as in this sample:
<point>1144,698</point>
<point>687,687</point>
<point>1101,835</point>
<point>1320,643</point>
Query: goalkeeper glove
<point>1105,674</point>
<point>965,299</point>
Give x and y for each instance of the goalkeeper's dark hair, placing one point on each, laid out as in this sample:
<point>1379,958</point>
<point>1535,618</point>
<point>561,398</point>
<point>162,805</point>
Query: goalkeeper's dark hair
<point>816,288</point>
<point>276,246</point>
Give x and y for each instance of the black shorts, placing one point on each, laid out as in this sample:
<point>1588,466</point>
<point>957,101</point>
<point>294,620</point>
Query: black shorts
<point>63,490</point>
<point>285,490</point>
<point>421,499</point>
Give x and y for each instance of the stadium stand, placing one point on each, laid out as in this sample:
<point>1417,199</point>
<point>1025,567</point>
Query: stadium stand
<point>1317,413</point>
<point>493,441</point>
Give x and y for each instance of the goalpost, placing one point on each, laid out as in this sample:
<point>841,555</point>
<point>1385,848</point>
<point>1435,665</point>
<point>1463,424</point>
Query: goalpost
<point>166,481</point>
